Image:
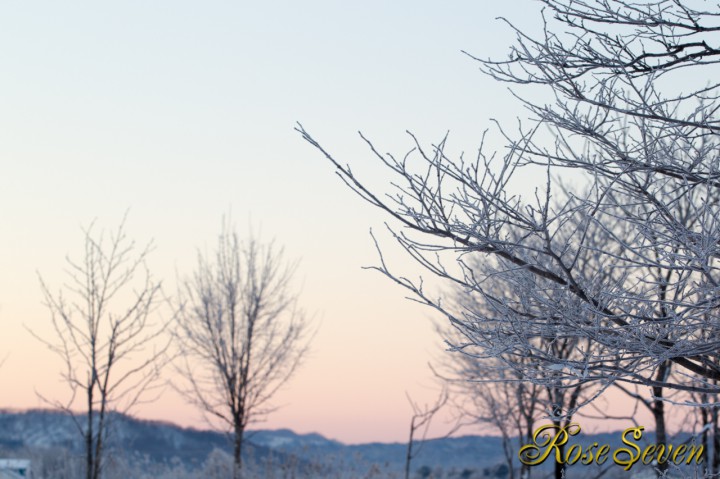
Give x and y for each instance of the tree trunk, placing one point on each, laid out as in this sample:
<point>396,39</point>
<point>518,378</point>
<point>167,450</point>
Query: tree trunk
<point>408,454</point>
<point>237,452</point>
<point>99,444</point>
<point>704,421</point>
<point>658,412</point>
<point>559,467</point>
<point>89,463</point>
<point>715,466</point>
<point>524,468</point>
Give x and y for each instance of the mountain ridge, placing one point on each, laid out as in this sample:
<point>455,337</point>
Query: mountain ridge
<point>163,443</point>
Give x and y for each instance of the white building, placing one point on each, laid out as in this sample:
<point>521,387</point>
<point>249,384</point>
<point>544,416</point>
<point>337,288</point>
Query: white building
<point>15,469</point>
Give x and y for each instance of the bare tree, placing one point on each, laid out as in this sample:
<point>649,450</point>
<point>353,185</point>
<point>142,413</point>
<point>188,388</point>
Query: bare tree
<point>239,331</point>
<point>710,428</point>
<point>490,394</point>
<point>493,377</point>
<point>105,335</point>
<point>420,421</point>
<point>648,152</point>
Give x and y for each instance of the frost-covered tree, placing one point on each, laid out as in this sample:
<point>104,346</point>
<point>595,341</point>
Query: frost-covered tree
<point>505,387</point>
<point>107,336</point>
<point>495,398</point>
<point>634,117</point>
<point>240,332</point>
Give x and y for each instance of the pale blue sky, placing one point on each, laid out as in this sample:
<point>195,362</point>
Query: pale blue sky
<point>182,110</point>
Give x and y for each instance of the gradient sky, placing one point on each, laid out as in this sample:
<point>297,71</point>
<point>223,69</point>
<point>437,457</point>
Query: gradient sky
<point>180,111</point>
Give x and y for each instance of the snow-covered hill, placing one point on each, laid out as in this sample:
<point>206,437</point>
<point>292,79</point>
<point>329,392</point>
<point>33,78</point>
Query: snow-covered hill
<point>162,442</point>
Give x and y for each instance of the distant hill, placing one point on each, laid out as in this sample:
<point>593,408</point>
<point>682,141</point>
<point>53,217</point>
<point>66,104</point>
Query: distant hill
<point>163,443</point>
